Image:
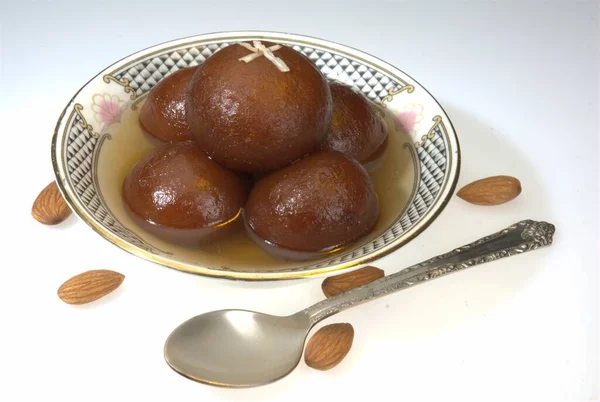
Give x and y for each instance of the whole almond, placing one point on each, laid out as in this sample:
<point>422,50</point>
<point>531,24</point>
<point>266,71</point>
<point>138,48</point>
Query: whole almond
<point>89,286</point>
<point>328,346</point>
<point>337,284</point>
<point>493,190</point>
<point>50,208</point>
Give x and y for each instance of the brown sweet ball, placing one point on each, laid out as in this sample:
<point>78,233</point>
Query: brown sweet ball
<point>163,116</point>
<point>317,204</point>
<point>176,192</point>
<point>357,126</point>
<point>251,116</point>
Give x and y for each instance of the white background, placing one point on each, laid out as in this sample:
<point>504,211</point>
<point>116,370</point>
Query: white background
<point>519,81</point>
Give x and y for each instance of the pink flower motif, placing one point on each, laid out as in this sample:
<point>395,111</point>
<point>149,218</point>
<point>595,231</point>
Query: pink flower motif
<point>409,117</point>
<point>107,109</point>
<point>407,120</point>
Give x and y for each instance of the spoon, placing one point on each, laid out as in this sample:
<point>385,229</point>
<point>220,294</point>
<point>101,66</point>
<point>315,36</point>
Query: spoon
<point>240,348</point>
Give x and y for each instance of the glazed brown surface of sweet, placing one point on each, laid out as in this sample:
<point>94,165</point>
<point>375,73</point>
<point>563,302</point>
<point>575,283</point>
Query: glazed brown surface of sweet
<point>321,202</point>
<point>252,117</point>
<point>357,126</point>
<point>177,187</point>
<point>163,115</point>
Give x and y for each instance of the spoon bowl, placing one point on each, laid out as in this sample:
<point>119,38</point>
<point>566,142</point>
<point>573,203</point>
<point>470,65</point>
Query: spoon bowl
<point>237,348</point>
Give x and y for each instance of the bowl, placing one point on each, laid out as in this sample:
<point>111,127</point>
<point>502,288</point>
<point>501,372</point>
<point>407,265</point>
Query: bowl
<point>97,140</point>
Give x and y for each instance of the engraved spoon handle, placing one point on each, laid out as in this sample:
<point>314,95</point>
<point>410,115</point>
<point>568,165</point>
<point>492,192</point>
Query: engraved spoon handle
<point>521,237</point>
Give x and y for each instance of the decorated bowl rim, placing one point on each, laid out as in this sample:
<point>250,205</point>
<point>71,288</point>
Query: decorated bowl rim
<point>446,192</point>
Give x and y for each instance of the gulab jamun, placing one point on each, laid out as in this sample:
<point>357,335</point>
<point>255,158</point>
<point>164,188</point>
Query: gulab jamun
<point>357,125</point>
<point>322,202</point>
<point>163,115</point>
<point>178,193</point>
<point>251,116</point>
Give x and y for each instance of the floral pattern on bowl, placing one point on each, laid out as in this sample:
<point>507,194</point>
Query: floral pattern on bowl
<point>107,108</point>
<point>409,118</point>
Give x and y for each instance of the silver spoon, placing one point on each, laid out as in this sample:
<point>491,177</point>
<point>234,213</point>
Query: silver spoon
<point>239,348</point>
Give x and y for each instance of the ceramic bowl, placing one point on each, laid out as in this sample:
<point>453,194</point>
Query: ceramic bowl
<point>98,138</point>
